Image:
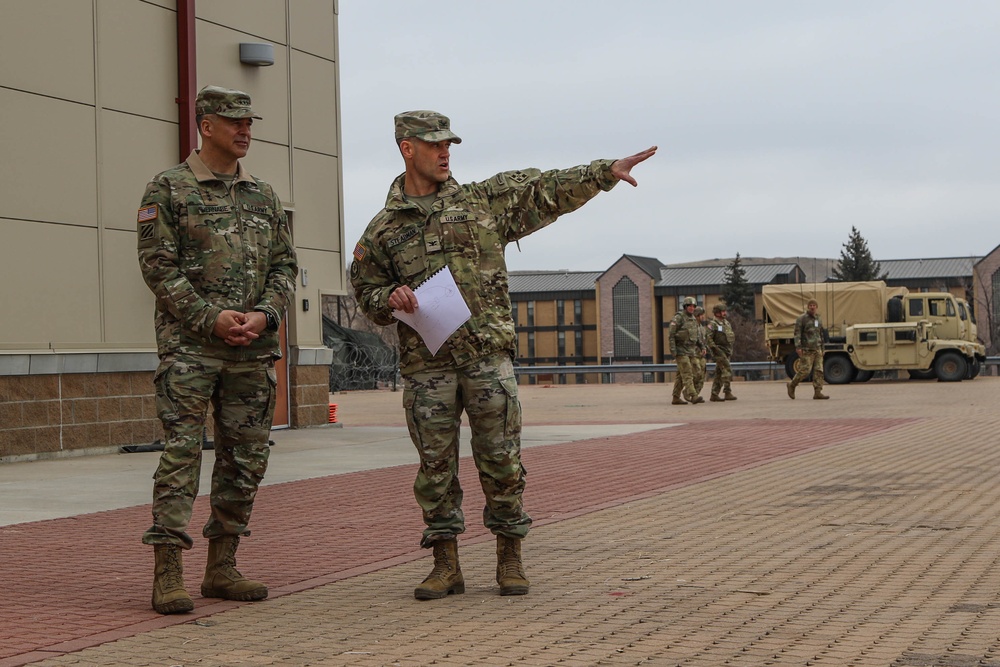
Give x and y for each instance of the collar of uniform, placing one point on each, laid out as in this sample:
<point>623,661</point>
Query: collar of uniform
<point>203,173</point>
<point>395,200</point>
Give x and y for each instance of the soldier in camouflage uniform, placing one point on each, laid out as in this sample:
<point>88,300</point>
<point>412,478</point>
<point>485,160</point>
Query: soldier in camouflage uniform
<point>720,344</point>
<point>700,367</point>
<point>215,249</point>
<point>430,222</point>
<point>683,338</point>
<point>809,347</point>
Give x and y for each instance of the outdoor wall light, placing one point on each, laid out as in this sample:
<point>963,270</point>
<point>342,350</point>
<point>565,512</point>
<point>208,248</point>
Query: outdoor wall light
<point>258,55</point>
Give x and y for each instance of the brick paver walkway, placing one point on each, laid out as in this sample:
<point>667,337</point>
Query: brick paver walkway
<point>845,540</point>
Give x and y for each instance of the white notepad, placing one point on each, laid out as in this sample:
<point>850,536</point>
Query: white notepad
<point>440,311</point>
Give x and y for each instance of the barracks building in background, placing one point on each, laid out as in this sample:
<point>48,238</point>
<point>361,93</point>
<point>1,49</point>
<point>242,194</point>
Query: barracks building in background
<point>620,315</point>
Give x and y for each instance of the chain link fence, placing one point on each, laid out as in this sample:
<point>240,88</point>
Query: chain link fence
<point>361,360</point>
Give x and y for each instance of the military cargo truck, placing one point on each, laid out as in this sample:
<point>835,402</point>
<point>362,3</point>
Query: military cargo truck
<point>873,327</point>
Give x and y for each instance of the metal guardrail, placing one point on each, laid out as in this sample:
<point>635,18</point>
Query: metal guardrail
<point>739,367</point>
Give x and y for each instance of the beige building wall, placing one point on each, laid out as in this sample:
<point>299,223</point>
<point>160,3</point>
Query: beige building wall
<point>88,91</point>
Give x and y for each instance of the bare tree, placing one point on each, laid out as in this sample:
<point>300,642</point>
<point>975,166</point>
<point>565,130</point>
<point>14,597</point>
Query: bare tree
<point>748,345</point>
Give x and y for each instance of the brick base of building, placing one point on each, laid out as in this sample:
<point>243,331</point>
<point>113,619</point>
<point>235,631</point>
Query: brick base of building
<point>49,416</point>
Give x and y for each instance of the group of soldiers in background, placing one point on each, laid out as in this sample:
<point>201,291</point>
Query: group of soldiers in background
<point>691,339</point>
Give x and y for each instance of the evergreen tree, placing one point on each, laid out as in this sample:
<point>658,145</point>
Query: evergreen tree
<point>737,292</point>
<point>856,261</point>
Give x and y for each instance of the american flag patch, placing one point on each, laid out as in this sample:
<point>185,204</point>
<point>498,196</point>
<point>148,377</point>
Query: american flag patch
<point>359,252</point>
<point>149,213</point>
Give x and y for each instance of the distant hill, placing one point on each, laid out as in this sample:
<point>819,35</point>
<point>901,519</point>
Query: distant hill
<point>817,269</point>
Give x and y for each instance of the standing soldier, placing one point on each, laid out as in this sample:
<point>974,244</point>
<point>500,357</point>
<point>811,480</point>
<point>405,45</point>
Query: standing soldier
<point>683,337</point>
<point>809,346</point>
<point>700,367</point>
<point>431,221</point>
<point>215,249</point>
<point>720,344</point>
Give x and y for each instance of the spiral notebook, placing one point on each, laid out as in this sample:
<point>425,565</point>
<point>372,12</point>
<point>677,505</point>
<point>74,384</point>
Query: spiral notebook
<point>441,310</point>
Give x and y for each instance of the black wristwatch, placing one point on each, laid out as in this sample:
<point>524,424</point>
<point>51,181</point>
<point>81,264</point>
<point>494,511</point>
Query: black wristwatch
<point>272,324</point>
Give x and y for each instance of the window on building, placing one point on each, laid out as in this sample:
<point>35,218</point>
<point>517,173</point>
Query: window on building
<point>531,314</point>
<point>625,317</point>
<point>577,311</point>
<point>513,311</point>
<point>561,336</point>
<point>531,344</point>
<point>578,343</point>
<point>560,312</point>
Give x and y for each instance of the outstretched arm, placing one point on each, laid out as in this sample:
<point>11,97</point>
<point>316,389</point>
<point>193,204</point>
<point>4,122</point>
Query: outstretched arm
<point>622,168</point>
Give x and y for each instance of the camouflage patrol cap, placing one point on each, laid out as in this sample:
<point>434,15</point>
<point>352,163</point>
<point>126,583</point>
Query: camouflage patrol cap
<point>690,301</point>
<point>425,125</point>
<point>718,308</point>
<point>223,102</point>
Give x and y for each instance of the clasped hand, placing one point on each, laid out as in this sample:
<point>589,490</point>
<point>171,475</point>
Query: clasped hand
<point>239,329</point>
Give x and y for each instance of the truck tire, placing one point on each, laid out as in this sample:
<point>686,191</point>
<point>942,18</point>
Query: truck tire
<point>922,375</point>
<point>951,367</point>
<point>863,376</point>
<point>838,369</point>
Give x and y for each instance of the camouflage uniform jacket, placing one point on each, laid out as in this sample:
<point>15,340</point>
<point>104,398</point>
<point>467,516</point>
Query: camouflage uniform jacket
<point>683,335</point>
<point>720,338</point>
<point>202,252</point>
<point>467,229</point>
<point>808,332</point>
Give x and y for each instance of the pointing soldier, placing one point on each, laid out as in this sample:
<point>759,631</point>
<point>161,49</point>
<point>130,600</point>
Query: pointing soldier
<point>430,222</point>
<point>215,249</point>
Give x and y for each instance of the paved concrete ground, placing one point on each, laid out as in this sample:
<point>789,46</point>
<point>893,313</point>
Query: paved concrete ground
<point>858,531</point>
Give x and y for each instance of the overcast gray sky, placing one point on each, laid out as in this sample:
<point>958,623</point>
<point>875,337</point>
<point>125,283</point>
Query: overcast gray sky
<point>781,123</point>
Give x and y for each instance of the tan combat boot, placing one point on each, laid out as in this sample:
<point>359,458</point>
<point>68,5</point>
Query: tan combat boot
<point>729,396</point>
<point>715,398</point>
<point>696,400</point>
<point>446,577</point>
<point>222,579</point>
<point>819,395</point>
<point>510,570</point>
<point>791,390</point>
<point>678,401</point>
<point>169,596</point>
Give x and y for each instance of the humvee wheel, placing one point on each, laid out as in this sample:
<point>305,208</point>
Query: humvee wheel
<point>951,367</point>
<point>838,369</point>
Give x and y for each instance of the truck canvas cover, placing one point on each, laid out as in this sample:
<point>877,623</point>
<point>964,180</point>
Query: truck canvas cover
<point>838,302</point>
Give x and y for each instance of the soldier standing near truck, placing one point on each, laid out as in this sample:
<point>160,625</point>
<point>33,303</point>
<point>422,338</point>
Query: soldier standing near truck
<point>809,347</point>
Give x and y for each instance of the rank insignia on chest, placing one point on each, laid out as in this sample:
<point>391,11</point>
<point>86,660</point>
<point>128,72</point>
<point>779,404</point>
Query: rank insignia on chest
<point>518,177</point>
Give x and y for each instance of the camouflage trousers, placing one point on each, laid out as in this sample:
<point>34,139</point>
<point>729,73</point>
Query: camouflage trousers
<point>699,366</point>
<point>810,361</point>
<point>723,378</point>
<point>242,396</point>
<point>434,400</point>
<point>684,378</point>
